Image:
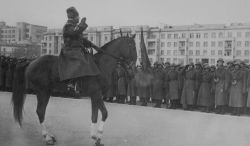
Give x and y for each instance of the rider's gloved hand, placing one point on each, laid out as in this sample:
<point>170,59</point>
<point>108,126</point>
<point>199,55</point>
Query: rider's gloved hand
<point>83,23</point>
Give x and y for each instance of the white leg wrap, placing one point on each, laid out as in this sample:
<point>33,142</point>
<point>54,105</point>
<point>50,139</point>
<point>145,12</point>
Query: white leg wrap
<point>100,129</point>
<point>44,129</point>
<point>93,129</point>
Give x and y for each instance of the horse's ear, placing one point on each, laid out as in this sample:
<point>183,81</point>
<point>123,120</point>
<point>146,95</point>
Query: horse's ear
<point>133,36</point>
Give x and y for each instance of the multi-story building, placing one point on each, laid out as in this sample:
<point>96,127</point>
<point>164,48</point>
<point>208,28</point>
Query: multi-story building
<point>175,44</point>
<point>52,42</point>
<point>22,33</point>
<point>203,43</point>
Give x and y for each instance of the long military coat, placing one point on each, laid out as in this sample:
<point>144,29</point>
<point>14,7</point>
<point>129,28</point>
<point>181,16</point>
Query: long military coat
<point>188,92</point>
<point>204,94</point>
<point>221,85</point>
<point>157,84</point>
<point>143,83</point>
<point>173,84</point>
<point>236,89</point>
<point>121,81</point>
<point>73,61</point>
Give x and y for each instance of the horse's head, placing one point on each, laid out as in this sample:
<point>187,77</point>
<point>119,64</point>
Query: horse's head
<point>127,52</point>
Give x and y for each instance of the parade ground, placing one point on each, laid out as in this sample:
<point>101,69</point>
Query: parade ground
<point>127,125</point>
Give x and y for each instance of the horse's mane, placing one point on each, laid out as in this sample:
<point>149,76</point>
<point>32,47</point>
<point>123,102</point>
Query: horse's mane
<point>105,46</point>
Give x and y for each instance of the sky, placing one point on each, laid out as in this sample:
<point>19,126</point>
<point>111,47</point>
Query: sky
<point>52,13</point>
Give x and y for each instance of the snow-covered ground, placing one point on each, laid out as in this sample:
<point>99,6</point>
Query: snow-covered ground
<point>69,120</point>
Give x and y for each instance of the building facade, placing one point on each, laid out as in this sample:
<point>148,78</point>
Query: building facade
<point>22,33</point>
<point>174,44</point>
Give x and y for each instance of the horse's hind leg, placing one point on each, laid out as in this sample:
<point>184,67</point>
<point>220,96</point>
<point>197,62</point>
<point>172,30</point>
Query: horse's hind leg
<point>42,102</point>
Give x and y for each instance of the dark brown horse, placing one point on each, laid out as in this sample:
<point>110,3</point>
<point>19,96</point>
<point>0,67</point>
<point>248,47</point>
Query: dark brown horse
<point>42,75</point>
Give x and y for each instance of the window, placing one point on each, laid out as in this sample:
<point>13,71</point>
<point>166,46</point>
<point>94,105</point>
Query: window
<point>49,45</point>
<point>190,60</point>
<point>91,38</point>
<point>163,36</point>
<point>197,52</point>
<point>168,52</point>
<point>197,44</point>
<point>175,60</point>
<point>151,51</point>
<point>175,44</point>
<point>205,35</point>
<point>175,36</point>
<point>238,43</point>
<point>212,52</point>
<point>204,52</point>
<point>168,59</point>
<point>50,38</point>
<point>228,44</point>
<point>213,44</point>
<point>162,44</point>
<point>169,36</point>
<point>190,52</point>
<point>106,38</point>
<point>227,52</point>
<point>175,52</point>
<point>183,35</point>
<point>161,59</point>
<point>246,53</point>
<point>197,60</point>
<point>213,35</point>
<point>182,44</point>
<point>198,35</point>
<point>238,34</point>
<point>182,52</point>
<point>212,61</point>
<point>238,52</point>
<point>13,31</point>
<point>220,43</point>
<point>162,52</point>
<point>219,52</point>
<point>151,44</point>
<point>229,34</point>
<point>247,43</point>
<point>191,35</point>
<point>220,35</point>
<point>191,44</point>
<point>247,34</point>
<point>169,44</point>
<point>205,44</point>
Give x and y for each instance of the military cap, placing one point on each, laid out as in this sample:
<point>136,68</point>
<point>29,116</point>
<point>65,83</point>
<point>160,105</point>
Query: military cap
<point>198,63</point>
<point>237,62</point>
<point>220,59</point>
<point>72,12</point>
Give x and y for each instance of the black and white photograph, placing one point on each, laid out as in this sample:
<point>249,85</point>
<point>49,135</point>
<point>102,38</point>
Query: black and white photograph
<point>124,72</point>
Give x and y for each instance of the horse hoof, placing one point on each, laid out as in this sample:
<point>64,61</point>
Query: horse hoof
<point>98,143</point>
<point>50,142</point>
<point>50,139</point>
<point>94,138</point>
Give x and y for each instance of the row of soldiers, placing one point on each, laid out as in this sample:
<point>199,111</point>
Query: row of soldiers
<point>209,88</point>
<point>7,67</point>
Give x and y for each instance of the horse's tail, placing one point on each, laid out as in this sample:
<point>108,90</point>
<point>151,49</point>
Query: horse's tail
<point>18,92</point>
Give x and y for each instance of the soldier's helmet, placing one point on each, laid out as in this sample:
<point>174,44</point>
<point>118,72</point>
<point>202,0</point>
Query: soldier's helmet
<point>72,12</point>
<point>237,63</point>
<point>220,59</point>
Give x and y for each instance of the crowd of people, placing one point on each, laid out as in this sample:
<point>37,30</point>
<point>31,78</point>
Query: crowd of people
<point>7,68</point>
<point>223,88</point>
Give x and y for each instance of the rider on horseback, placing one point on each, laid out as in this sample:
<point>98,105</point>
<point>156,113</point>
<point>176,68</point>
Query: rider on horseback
<point>74,60</point>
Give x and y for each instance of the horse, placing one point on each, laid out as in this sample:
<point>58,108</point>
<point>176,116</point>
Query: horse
<point>42,75</point>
